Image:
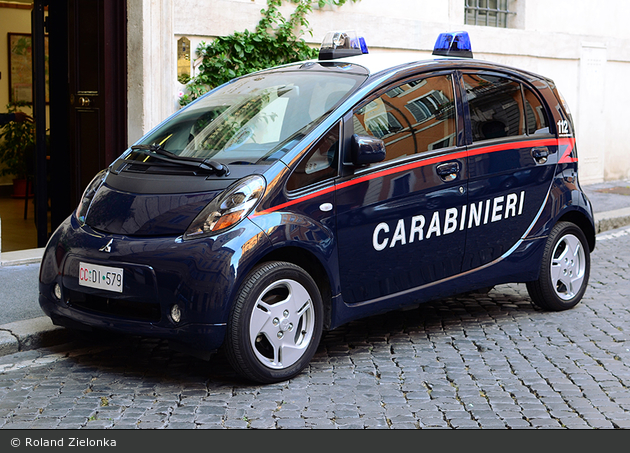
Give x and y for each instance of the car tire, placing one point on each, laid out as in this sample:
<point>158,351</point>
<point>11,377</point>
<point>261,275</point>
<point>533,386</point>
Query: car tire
<point>275,325</point>
<point>564,271</point>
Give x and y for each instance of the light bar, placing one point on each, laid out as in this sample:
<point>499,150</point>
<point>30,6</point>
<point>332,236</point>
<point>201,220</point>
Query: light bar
<point>454,44</point>
<point>342,44</point>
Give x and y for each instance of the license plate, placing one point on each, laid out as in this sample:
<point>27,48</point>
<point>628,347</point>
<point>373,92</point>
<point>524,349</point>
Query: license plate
<point>101,277</point>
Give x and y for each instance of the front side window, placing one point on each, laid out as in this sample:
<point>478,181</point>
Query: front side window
<point>319,163</point>
<point>411,118</point>
<point>251,120</point>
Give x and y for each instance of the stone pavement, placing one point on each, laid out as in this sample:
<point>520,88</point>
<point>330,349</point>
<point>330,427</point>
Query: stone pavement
<point>474,361</point>
<point>611,204</point>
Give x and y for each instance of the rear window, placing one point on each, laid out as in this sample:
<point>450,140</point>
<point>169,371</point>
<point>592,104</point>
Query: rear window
<point>501,107</point>
<point>536,115</point>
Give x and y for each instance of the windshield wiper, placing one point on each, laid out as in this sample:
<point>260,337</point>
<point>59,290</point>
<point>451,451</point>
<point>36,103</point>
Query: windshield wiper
<point>160,153</point>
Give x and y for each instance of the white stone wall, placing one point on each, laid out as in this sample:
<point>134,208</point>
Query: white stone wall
<point>151,63</point>
<point>583,46</point>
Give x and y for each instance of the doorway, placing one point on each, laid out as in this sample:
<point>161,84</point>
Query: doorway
<point>86,109</point>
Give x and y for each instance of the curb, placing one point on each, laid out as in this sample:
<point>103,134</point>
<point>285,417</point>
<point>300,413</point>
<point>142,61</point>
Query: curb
<point>29,256</point>
<point>40,332</point>
<point>30,334</point>
<point>611,220</point>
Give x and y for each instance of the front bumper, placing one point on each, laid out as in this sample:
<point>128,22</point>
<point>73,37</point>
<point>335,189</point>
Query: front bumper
<point>200,277</point>
<point>196,337</point>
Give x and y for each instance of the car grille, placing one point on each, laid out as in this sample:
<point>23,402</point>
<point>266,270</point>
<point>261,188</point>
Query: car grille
<point>141,311</point>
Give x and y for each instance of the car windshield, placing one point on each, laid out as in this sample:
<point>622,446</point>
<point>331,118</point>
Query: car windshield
<point>255,119</point>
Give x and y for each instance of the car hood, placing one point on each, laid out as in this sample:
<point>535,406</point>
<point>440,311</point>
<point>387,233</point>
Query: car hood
<point>116,212</point>
<point>151,205</point>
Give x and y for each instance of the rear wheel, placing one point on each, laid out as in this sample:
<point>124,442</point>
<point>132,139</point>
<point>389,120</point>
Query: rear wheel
<point>275,324</point>
<point>565,269</point>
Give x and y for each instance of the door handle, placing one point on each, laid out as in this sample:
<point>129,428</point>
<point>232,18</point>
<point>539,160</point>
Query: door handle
<point>540,154</point>
<point>448,171</point>
<point>85,101</point>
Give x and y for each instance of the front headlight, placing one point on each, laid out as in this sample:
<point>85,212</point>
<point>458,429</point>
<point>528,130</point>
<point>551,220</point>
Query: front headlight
<point>227,209</point>
<point>88,195</point>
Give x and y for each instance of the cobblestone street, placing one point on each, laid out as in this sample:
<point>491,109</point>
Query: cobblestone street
<point>474,361</point>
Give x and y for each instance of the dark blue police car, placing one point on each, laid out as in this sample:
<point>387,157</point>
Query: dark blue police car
<point>296,199</point>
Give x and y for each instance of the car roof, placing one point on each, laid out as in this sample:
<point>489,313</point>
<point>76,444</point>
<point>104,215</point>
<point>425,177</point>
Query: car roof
<point>383,62</point>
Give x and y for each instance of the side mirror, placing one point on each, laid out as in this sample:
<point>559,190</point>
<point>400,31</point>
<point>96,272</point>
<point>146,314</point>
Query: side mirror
<point>367,150</point>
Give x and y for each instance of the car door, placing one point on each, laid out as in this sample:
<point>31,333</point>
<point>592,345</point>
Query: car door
<point>509,163</point>
<point>398,225</point>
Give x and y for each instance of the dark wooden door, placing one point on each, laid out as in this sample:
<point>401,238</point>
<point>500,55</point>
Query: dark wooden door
<point>97,105</point>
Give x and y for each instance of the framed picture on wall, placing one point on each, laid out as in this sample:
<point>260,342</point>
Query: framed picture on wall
<point>21,67</point>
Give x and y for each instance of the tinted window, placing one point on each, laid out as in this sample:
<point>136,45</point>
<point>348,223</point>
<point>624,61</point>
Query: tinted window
<point>319,163</point>
<point>496,106</point>
<point>250,119</point>
<point>535,113</point>
<point>411,118</point>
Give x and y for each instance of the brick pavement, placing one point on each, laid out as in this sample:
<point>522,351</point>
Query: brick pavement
<point>473,361</point>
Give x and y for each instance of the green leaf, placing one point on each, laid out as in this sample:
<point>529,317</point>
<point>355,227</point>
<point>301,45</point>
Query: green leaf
<point>275,41</point>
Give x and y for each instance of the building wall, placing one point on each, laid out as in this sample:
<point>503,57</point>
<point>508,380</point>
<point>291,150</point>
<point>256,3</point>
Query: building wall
<point>12,20</point>
<point>585,50</point>
<point>151,64</point>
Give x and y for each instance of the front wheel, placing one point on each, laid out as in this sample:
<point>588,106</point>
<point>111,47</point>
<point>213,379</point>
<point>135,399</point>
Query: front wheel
<point>275,324</point>
<point>565,269</point>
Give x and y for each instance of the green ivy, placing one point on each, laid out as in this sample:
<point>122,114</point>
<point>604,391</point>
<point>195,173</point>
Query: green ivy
<point>275,41</point>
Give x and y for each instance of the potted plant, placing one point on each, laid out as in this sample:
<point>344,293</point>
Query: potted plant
<point>17,139</point>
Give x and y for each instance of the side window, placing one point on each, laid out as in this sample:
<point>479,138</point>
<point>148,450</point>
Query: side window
<point>535,113</point>
<point>496,106</point>
<point>319,163</point>
<point>411,118</point>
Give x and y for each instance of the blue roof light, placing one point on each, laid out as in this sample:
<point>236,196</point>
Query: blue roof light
<point>342,44</point>
<point>454,44</point>
<point>363,45</point>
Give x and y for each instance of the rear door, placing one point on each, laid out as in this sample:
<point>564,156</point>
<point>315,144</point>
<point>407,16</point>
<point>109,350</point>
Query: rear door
<point>398,221</point>
<point>510,163</point>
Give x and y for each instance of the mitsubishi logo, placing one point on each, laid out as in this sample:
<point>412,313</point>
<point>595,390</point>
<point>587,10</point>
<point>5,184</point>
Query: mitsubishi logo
<point>107,247</point>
